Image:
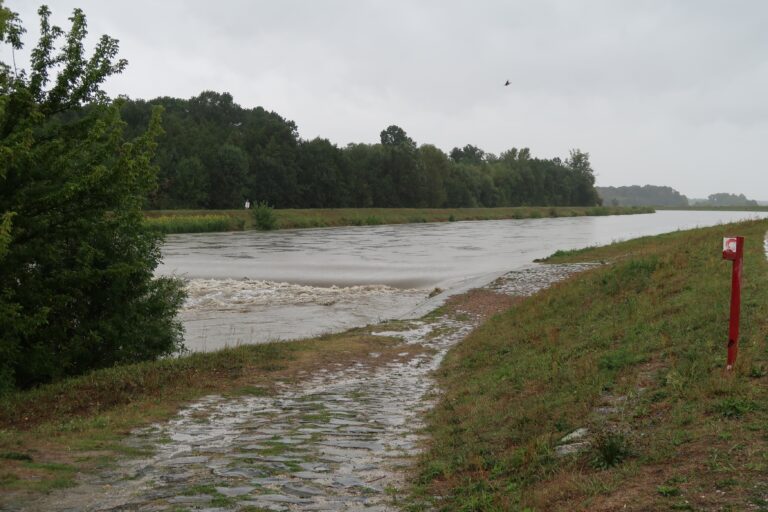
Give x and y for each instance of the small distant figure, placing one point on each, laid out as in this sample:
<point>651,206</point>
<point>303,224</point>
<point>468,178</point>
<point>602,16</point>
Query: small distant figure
<point>506,83</point>
<point>247,204</point>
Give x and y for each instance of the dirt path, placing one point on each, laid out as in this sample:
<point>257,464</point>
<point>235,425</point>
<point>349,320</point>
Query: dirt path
<point>341,440</point>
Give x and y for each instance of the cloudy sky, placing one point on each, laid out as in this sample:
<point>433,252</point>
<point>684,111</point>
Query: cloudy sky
<point>658,92</point>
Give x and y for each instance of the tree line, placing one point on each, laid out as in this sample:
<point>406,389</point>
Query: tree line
<point>725,199</point>
<point>647,195</point>
<point>654,195</point>
<point>216,154</point>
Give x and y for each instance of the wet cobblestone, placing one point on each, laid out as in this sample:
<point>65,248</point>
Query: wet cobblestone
<point>341,440</point>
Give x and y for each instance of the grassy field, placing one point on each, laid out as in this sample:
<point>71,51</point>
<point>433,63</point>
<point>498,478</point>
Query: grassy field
<point>633,351</point>
<point>193,221</point>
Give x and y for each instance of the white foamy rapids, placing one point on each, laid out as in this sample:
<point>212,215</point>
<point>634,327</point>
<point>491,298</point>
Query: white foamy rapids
<point>233,294</point>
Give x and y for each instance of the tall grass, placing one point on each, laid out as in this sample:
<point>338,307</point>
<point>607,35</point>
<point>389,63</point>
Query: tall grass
<point>194,223</point>
<point>263,217</point>
<point>375,216</point>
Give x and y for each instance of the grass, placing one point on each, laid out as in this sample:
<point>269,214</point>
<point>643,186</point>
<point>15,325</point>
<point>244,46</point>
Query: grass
<point>635,352</point>
<point>701,207</point>
<point>194,221</point>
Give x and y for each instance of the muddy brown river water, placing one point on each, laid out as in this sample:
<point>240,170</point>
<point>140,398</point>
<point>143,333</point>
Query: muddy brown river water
<point>252,287</point>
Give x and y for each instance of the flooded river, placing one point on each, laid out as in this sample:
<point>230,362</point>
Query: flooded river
<point>252,287</point>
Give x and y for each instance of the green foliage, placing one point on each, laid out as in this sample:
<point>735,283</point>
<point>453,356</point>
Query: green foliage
<point>16,456</point>
<point>647,195</point>
<point>634,349</point>
<point>76,282</point>
<point>194,223</point>
<point>264,216</point>
<point>215,154</point>
<point>610,449</point>
<point>726,199</point>
<point>734,407</point>
<point>668,491</point>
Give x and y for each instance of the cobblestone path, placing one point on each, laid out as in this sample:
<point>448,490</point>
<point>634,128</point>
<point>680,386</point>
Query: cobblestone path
<point>341,440</point>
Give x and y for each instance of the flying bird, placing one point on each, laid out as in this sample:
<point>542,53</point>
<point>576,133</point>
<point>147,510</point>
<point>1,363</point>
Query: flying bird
<point>506,84</point>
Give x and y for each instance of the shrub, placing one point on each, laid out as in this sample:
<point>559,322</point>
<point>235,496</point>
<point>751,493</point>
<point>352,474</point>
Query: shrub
<point>77,285</point>
<point>610,449</point>
<point>264,217</point>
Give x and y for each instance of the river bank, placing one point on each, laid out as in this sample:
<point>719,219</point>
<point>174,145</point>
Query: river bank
<point>329,422</point>
<point>609,392</point>
<point>626,359</point>
<point>198,221</point>
<point>250,286</point>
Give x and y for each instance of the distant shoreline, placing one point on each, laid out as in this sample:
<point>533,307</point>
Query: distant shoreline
<point>197,221</point>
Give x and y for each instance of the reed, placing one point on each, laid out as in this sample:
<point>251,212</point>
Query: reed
<point>194,223</point>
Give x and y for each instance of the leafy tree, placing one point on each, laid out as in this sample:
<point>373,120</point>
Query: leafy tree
<point>77,290</point>
<point>584,178</point>
<point>395,136</point>
<point>726,199</point>
<point>321,179</point>
<point>469,154</point>
<point>647,195</point>
<point>434,166</point>
<point>228,177</point>
<point>191,184</point>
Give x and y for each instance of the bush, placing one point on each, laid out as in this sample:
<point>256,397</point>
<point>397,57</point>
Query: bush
<point>77,285</point>
<point>264,216</point>
<point>610,449</point>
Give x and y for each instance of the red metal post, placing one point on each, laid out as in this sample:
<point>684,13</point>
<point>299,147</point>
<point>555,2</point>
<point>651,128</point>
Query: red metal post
<point>733,249</point>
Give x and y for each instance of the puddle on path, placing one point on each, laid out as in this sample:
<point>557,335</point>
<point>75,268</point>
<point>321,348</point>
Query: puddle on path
<point>342,440</point>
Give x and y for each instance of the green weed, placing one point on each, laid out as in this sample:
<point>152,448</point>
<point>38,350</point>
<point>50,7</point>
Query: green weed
<point>264,217</point>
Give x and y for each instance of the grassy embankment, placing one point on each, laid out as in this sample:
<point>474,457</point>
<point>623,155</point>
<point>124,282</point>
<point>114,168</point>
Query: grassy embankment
<point>715,208</point>
<point>633,351</point>
<point>193,221</point>
<point>50,433</point>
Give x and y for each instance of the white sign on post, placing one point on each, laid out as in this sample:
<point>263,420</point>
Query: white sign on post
<point>729,244</point>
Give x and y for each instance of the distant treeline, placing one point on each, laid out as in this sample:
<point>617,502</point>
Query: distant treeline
<point>652,195</point>
<point>724,199</point>
<point>647,195</point>
<point>216,154</point>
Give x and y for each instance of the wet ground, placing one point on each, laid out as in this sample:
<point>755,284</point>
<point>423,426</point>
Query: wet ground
<point>344,439</point>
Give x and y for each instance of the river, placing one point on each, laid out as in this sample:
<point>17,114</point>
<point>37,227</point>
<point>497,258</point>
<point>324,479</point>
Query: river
<point>253,287</point>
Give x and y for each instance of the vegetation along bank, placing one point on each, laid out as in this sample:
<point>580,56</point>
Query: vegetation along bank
<point>608,392</point>
<point>632,351</point>
<point>265,218</point>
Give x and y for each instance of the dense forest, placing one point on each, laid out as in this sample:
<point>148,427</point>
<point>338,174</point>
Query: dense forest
<point>647,195</point>
<point>216,154</point>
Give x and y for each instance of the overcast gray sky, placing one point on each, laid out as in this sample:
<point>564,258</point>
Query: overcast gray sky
<point>658,92</point>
